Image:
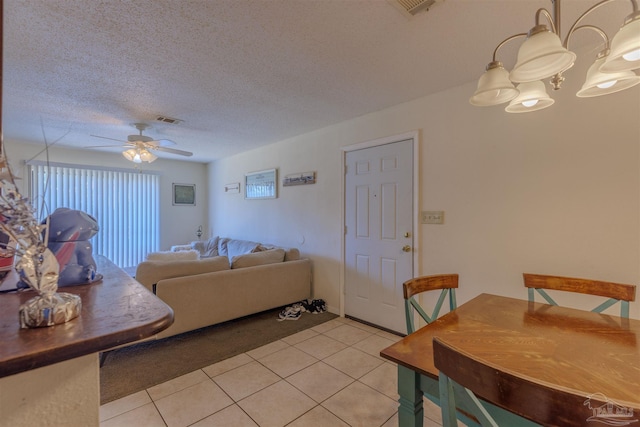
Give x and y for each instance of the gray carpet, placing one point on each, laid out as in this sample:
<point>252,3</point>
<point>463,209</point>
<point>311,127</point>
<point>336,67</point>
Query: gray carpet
<point>137,367</point>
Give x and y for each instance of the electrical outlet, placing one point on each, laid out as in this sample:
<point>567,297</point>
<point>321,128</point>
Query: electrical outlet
<point>432,217</point>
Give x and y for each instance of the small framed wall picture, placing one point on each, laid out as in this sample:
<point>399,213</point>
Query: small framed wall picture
<point>232,188</point>
<point>300,178</point>
<point>184,194</point>
<point>261,184</point>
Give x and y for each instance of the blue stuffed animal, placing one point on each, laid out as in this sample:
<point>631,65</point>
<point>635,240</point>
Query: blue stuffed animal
<point>69,234</point>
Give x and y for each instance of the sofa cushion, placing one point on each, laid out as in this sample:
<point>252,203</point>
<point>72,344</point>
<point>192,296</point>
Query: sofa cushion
<point>207,248</point>
<point>167,256</point>
<point>270,256</point>
<point>240,247</point>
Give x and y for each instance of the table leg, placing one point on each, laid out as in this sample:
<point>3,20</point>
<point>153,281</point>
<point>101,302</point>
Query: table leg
<point>410,411</point>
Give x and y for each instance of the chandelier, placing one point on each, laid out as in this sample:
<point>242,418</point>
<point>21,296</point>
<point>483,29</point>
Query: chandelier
<point>544,55</point>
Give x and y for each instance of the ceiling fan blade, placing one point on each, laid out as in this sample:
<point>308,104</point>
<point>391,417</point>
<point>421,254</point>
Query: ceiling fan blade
<point>172,151</point>
<point>108,146</point>
<point>161,143</point>
<point>112,139</point>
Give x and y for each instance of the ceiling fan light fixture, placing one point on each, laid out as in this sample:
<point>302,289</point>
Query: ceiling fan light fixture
<point>139,155</point>
<point>147,156</point>
<point>131,154</point>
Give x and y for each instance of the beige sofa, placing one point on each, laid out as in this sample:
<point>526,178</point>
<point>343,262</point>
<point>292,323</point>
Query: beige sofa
<point>234,278</point>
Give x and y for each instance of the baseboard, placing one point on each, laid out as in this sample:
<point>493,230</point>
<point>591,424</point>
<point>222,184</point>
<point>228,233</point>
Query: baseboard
<point>364,322</point>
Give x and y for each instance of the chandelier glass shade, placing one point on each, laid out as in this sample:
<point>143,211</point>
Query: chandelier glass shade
<point>540,56</point>
<point>532,97</point>
<point>599,83</point>
<point>494,87</point>
<point>625,47</point>
<point>544,54</point>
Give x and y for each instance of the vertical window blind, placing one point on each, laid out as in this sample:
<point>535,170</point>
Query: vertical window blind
<point>125,203</point>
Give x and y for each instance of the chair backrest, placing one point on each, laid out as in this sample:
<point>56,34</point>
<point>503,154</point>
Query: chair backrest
<point>483,388</point>
<point>446,283</point>
<point>615,292</point>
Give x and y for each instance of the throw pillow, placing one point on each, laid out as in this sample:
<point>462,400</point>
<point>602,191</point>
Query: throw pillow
<point>239,247</point>
<point>270,256</point>
<point>290,254</point>
<point>208,248</point>
<point>173,256</point>
<point>222,246</point>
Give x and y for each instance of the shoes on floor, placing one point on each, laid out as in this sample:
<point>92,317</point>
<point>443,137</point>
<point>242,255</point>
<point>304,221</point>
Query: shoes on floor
<point>315,306</point>
<point>294,311</point>
<point>318,306</point>
<point>290,313</point>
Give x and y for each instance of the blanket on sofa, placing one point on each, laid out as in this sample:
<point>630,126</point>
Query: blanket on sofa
<point>232,248</point>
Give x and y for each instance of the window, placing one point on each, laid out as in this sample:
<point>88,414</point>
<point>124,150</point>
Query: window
<point>125,203</point>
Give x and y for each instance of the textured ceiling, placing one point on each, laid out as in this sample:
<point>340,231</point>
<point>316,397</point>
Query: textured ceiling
<point>242,73</point>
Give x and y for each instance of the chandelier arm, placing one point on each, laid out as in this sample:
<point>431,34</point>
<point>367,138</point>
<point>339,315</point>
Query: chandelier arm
<point>546,13</point>
<point>589,27</point>
<point>574,27</point>
<point>505,41</point>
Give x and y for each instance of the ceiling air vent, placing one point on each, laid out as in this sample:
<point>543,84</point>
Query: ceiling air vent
<point>169,120</point>
<point>412,7</point>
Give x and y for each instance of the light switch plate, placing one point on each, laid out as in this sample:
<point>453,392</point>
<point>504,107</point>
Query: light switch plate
<point>432,217</point>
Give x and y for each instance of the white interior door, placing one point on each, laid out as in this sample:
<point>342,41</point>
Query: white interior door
<point>379,232</point>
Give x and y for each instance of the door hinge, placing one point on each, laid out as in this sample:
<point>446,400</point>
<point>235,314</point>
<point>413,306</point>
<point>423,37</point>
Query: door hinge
<point>346,169</point>
<point>345,230</point>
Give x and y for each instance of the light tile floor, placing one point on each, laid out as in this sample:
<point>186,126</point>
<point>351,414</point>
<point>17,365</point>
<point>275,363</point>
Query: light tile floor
<point>325,376</point>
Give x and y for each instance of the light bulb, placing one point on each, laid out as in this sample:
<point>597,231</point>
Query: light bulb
<point>530,103</point>
<point>634,55</point>
<point>607,85</point>
<point>137,159</point>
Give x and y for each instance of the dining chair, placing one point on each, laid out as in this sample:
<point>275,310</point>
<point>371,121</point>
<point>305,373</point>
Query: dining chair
<point>615,292</point>
<point>497,397</point>
<point>446,283</point>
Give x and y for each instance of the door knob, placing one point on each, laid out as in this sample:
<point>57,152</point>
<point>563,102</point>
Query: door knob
<point>406,248</point>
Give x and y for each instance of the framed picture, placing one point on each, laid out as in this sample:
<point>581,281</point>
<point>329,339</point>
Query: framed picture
<point>301,178</point>
<point>184,194</point>
<point>232,188</point>
<point>261,184</point>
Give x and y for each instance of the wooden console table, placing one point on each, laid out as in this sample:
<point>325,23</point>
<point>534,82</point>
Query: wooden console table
<point>50,376</point>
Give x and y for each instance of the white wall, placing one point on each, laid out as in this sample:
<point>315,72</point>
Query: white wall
<point>178,224</point>
<point>554,192</point>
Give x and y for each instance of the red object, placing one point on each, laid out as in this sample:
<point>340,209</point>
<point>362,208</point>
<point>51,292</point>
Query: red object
<point>6,260</point>
<point>6,256</point>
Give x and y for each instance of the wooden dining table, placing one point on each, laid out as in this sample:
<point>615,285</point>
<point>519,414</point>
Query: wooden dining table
<point>581,353</point>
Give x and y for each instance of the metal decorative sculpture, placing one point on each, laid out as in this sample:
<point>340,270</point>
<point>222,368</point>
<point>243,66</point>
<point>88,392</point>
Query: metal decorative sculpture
<point>36,264</point>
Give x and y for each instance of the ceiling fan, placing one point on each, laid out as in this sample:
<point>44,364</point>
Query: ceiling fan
<point>139,148</point>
